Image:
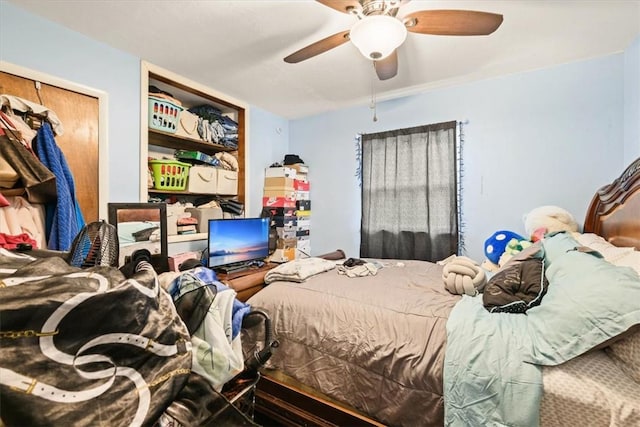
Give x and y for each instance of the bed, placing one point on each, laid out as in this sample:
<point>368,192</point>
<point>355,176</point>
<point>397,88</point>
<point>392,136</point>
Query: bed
<point>380,350</point>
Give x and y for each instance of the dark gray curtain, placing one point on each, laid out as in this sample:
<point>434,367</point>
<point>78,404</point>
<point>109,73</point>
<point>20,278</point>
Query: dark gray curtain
<point>409,193</point>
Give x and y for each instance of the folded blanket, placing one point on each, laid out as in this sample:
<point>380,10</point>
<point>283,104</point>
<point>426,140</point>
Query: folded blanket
<point>299,270</point>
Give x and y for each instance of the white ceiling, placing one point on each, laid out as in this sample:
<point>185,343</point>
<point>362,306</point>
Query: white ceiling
<point>237,47</point>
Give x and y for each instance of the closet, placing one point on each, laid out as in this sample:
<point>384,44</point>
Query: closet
<point>157,143</point>
<point>81,111</point>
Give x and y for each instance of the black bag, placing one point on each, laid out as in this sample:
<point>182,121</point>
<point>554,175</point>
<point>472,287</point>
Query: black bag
<point>231,206</point>
<point>37,180</point>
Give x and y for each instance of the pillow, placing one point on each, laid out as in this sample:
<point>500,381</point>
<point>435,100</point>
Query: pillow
<point>588,302</point>
<point>518,286</point>
<point>627,352</point>
<point>610,252</point>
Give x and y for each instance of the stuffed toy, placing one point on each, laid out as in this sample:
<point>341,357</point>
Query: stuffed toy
<point>495,245</point>
<point>514,247</point>
<point>551,218</point>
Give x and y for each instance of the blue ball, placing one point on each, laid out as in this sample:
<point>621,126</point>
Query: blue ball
<point>495,245</point>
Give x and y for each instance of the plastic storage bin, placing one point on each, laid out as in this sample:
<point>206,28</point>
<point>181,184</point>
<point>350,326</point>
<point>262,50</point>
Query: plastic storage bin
<point>169,174</point>
<point>163,115</point>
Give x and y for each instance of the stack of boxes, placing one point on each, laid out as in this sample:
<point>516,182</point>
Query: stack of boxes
<point>303,211</point>
<point>286,196</point>
<point>279,198</point>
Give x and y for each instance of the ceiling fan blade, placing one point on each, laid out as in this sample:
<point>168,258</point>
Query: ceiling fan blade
<point>318,47</point>
<point>387,67</point>
<point>345,6</point>
<point>452,22</point>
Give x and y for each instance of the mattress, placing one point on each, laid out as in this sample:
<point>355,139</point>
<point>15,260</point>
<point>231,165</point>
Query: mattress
<point>590,390</point>
<point>376,342</point>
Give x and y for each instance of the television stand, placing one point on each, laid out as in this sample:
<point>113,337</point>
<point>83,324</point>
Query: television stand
<point>233,268</point>
<point>246,282</point>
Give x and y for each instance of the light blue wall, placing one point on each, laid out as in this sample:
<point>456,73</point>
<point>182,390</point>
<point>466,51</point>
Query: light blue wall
<point>632,101</point>
<point>32,42</point>
<point>544,137</point>
<point>551,136</point>
<point>269,144</point>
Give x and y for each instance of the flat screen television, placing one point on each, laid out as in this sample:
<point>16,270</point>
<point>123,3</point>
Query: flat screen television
<point>237,241</point>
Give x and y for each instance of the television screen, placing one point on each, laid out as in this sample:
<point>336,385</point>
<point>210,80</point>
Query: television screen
<point>237,240</point>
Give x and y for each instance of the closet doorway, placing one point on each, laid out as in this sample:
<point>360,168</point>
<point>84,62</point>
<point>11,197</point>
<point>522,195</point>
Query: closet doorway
<point>82,112</point>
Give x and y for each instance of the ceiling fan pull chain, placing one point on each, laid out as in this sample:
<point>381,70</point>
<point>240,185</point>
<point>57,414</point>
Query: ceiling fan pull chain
<point>373,94</point>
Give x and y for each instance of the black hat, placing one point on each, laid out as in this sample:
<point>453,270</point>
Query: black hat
<point>292,159</point>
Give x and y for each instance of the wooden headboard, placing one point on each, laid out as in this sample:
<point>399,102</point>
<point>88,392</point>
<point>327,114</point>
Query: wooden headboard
<point>614,212</point>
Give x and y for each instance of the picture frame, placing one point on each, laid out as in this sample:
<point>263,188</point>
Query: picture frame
<point>141,226</point>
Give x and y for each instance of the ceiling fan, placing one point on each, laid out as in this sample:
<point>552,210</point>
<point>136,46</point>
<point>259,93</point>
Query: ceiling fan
<point>379,30</point>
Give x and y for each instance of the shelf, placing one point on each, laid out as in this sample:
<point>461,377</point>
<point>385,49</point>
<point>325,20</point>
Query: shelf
<point>186,237</point>
<point>168,140</point>
<point>156,142</point>
<point>186,193</point>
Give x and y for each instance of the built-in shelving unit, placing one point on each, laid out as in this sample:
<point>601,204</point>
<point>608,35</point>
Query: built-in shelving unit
<point>154,141</point>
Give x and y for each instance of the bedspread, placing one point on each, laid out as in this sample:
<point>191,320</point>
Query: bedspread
<point>485,380</point>
<point>376,343</point>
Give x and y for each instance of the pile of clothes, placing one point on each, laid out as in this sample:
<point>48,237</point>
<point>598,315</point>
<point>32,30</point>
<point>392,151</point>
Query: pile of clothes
<point>215,127</point>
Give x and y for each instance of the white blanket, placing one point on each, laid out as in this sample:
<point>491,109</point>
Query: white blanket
<point>299,270</point>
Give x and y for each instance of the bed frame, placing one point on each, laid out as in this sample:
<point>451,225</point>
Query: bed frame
<point>614,213</point>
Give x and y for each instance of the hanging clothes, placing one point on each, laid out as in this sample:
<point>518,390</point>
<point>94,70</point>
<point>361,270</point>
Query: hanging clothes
<point>63,218</point>
<point>26,106</point>
<point>19,217</point>
<point>38,181</point>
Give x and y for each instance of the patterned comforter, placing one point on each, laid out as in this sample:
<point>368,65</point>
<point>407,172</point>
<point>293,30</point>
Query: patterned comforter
<point>87,347</point>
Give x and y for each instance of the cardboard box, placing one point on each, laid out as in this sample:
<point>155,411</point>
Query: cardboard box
<point>302,233</point>
<point>303,213</point>
<point>280,211</point>
<point>289,194</point>
<point>196,156</point>
<point>280,172</point>
<point>303,249</point>
<point>278,183</point>
<point>227,182</point>
<point>283,255</point>
<point>299,167</point>
<point>286,232</point>
<point>278,202</point>
<point>303,205</point>
<point>304,222</point>
<point>174,212</point>
<point>300,185</point>
<point>202,179</point>
<point>286,243</point>
<point>203,215</point>
<point>284,221</point>
<point>302,195</point>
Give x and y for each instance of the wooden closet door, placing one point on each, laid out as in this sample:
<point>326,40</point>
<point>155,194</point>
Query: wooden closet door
<point>79,115</point>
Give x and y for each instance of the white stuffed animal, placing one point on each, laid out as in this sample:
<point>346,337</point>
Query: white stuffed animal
<point>551,218</point>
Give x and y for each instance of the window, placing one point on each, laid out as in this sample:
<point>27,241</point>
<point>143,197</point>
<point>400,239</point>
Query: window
<point>409,193</point>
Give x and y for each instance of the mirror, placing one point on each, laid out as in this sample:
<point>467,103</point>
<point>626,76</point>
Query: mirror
<point>141,226</point>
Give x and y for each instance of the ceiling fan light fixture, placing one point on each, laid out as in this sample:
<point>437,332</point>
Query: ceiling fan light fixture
<point>377,36</point>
